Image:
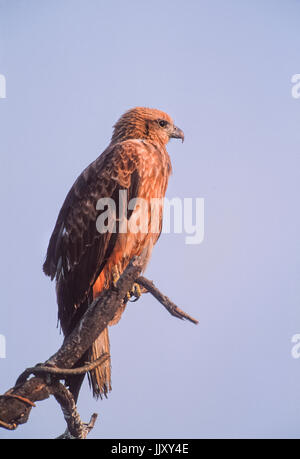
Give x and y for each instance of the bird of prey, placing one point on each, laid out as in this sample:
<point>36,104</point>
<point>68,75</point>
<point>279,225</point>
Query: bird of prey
<point>83,260</point>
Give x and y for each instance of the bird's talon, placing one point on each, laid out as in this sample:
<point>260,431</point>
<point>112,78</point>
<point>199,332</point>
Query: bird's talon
<point>135,293</point>
<point>115,276</point>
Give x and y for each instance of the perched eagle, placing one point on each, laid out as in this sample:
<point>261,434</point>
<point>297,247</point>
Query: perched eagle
<point>85,261</point>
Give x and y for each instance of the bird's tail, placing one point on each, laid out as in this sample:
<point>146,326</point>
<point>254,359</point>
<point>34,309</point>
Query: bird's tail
<point>100,377</point>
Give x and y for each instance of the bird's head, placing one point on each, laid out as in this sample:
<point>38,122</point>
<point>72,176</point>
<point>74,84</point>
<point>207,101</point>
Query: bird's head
<point>146,123</point>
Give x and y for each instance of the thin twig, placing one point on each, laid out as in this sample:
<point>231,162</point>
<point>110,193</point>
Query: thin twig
<point>45,369</point>
<point>7,426</point>
<point>164,300</point>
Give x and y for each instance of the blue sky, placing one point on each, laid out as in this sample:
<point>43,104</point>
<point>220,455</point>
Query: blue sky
<point>223,71</point>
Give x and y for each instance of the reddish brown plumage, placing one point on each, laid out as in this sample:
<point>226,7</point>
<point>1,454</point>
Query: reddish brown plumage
<point>84,260</point>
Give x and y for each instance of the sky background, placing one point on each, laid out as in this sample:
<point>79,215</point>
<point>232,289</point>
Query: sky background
<point>223,71</point>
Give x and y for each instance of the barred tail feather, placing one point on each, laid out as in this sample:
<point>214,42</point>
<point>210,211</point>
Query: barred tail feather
<point>100,377</point>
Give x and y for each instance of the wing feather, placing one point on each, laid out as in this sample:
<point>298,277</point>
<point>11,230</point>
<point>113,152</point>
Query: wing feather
<point>77,252</point>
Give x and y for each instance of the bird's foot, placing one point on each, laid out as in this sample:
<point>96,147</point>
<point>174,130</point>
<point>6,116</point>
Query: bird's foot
<point>115,275</point>
<point>135,293</point>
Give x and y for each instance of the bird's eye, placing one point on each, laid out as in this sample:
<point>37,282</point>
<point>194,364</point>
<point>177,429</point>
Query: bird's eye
<point>162,123</point>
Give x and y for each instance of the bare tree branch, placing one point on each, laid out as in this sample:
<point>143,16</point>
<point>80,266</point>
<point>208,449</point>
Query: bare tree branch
<point>164,300</point>
<point>40,369</point>
<point>14,410</point>
<point>16,403</point>
<point>76,428</point>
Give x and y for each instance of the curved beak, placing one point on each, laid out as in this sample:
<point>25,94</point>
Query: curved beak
<point>177,133</point>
